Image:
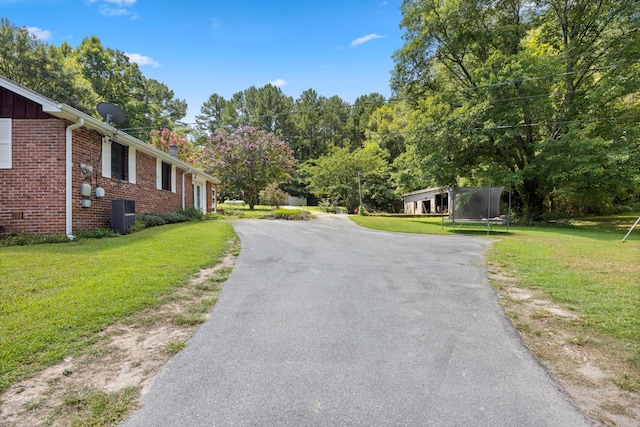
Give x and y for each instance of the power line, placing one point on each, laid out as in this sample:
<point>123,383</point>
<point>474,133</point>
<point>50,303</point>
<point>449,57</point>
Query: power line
<point>558,122</point>
<point>454,91</point>
<point>441,93</point>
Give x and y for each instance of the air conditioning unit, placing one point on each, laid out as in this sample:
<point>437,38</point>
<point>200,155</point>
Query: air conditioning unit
<point>123,215</point>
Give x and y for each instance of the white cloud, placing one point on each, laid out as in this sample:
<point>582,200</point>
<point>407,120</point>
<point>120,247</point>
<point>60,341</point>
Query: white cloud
<point>278,83</point>
<point>39,33</point>
<point>365,39</point>
<point>142,60</point>
<point>108,11</point>
<point>115,7</point>
<point>122,3</point>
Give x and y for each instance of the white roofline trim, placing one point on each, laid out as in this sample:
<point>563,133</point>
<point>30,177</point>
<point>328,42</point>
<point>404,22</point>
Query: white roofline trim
<point>64,111</point>
<point>48,105</point>
<point>427,190</point>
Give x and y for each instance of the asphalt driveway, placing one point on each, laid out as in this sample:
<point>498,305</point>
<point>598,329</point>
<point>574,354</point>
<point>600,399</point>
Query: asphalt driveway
<point>326,323</point>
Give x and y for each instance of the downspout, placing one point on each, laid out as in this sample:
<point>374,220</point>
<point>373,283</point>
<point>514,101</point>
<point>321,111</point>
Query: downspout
<point>183,198</point>
<point>69,177</point>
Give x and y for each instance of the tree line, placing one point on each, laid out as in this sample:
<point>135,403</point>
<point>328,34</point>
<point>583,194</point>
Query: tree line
<point>541,96</point>
<point>324,135</point>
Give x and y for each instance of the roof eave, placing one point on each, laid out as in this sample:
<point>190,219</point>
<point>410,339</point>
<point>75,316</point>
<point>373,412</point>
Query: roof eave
<point>66,112</point>
<point>93,123</point>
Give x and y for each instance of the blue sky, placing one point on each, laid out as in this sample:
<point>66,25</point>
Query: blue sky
<point>336,47</point>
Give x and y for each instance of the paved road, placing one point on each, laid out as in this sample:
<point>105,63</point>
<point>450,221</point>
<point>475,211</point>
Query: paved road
<point>323,323</point>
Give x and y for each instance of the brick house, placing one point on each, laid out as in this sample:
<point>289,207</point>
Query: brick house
<point>60,169</point>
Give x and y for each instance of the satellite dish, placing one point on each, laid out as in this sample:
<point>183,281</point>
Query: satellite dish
<point>111,113</point>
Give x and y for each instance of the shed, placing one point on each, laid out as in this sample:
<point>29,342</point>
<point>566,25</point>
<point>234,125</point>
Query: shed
<point>433,200</point>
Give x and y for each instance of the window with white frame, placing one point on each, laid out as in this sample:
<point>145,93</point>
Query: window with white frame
<point>5,144</point>
<point>118,161</point>
<point>165,176</point>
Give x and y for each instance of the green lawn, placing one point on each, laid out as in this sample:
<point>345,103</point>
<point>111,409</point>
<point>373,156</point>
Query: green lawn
<point>233,211</point>
<point>426,225</point>
<point>243,211</point>
<point>580,264</point>
<point>55,297</point>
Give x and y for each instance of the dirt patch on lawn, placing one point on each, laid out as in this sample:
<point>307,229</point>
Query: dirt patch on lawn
<point>597,374</point>
<point>104,384</point>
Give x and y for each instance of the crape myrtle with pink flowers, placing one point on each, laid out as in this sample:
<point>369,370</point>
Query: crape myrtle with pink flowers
<point>248,160</point>
<point>165,138</point>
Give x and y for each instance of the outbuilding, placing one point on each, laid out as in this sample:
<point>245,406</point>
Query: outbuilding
<point>433,200</point>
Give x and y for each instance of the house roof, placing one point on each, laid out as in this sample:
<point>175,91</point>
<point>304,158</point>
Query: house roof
<point>426,190</point>
<point>64,111</point>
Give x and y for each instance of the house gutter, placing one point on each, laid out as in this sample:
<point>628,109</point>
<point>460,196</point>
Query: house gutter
<point>69,177</point>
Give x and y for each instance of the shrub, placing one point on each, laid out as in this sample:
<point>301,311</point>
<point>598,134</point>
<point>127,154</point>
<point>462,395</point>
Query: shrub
<point>326,206</point>
<point>231,211</point>
<point>173,217</point>
<point>98,233</point>
<point>273,196</point>
<point>192,214</point>
<point>291,214</point>
<point>137,226</point>
<point>28,239</point>
<point>152,220</point>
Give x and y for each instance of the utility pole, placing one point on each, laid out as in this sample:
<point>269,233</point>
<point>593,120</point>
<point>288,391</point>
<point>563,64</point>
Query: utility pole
<point>359,193</point>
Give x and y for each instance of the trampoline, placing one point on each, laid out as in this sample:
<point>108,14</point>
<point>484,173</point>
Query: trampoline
<point>476,205</point>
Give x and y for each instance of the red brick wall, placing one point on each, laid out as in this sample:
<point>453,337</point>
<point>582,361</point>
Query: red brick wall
<point>32,193</point>
<point>87,150</point>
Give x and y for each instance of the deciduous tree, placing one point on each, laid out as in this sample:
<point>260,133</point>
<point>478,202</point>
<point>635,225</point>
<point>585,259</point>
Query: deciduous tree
<point>247,159</point>
<point>166,138</point>
<point>335,176</point>
<point>43,68</point>
<point>497,84</point>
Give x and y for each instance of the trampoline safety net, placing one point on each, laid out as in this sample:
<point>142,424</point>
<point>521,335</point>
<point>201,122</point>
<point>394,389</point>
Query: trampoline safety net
<point>476,202</point>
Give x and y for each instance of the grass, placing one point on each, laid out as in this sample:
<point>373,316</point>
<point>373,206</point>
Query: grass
<point>90,407</point>
<point>331,209</point>
<point>243,211</point>
<point>174,347</point>
<point>264,212</point>
<point>196,313</point>
<point>426,225</point>
<point>213,284</point>
<point>586,270</point>
<point>312,208</point>
<point>55,298</point>
<point>580,264</point>
<point>627,382</point>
